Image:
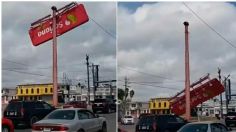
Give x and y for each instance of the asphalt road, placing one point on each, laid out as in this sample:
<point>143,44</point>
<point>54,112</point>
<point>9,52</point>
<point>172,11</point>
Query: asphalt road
<point>111,123</point>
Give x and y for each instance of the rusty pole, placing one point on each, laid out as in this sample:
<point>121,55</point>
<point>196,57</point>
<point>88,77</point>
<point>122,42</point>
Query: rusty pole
<point>187,73</point>
<point>54,41</point>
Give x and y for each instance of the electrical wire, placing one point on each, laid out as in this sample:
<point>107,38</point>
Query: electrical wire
<point>220,35</point>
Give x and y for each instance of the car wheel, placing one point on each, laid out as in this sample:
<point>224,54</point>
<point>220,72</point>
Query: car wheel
<point>81,130</point>
<point>33,119</point>
<point>104,127</point>
<point>5,129</point>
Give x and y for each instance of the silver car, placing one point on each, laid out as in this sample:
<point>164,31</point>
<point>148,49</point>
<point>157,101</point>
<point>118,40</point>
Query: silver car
<point>71,120</point>
<point>206,126</point>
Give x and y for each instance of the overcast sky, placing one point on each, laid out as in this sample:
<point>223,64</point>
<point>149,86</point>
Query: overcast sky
<point>151,45</point>
<point>20,59</point>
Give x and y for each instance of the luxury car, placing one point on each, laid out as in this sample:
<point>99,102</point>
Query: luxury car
<point>72,120</point>
<point>207,126</point>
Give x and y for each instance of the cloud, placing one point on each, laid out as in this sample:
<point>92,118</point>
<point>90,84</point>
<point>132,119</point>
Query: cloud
<point>151,45</point>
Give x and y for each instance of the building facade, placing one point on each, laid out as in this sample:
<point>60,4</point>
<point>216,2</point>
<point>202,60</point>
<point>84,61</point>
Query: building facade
<point>8,94</point>
<point>38,92</point>
<point>137,108</point>
<point>159,106</point>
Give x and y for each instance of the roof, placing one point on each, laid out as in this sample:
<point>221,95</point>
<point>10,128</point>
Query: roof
<point>205,122</point>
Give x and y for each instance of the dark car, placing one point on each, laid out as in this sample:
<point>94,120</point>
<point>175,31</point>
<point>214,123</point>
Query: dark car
<point>27,112</point>
<point>104,105</point>
<point>160,123</point>
<point>230,118</point>
<point>75,104</point>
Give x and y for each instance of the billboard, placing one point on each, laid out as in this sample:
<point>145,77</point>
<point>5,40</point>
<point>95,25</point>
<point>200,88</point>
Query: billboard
<point>66,20</point>
<point>199,95</point>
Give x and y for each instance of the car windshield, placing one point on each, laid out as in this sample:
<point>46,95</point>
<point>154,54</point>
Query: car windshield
<point>62,114</point>
<point>194,128</point>
<point>231,114</point>
<point>14,106</point>
<point>147,120</point>
<point>100,100</point>
<point>128,117</point>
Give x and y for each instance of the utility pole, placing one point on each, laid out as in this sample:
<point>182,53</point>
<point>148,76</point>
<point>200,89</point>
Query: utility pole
<point>87,63</point>
<point>54,47</point>
<point>93,81</point>
<point>221,104</point>
<point>187,73</point>
<point>226,92</point>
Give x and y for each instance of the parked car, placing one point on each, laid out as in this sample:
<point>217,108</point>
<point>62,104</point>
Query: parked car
<point>7,125</point>
<point>160,123</point>
<point>104,105</point>
<point>127,119</point>
<point>143,114</point>
<point>207,126</point>
<point>72,120</point>
<point>27,112</point>
<point>230,118</point>
<point>75,104</point>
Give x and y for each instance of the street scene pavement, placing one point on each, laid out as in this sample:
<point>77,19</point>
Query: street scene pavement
<point>111,123</point>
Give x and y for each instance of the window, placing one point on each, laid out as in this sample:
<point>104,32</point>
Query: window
<point>133,105</point>
<point>46,106</point>
<point>21,91</point>
<point>164,104</point>
<point>32,90</point>
<point>51,90</point>
<point>154,104</point>
<point>27,91</point>
<point>215,128</point>
<point>82,115</point>
<point>46,90</point>
<point>38,105</point>
<point>37,90</point>
<point>159,104</point>
<point>62,114</point>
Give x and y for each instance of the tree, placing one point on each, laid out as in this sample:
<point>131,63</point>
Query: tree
<point>121,94</point>
<point>131,94</point>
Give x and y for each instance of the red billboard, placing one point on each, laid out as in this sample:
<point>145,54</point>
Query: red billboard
<point>199,95</point>
<point>66,21</point>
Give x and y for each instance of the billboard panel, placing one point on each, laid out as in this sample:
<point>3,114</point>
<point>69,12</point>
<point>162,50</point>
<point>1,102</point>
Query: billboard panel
<point>66,21</point>
<point>199,95</point>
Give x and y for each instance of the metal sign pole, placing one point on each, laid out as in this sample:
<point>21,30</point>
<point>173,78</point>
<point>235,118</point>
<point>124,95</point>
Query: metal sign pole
<point>54,41</point>
<point>187,73</point>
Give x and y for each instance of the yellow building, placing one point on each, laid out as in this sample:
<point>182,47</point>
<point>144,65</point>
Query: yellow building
<point>159,106</point>
<point>35,92</point>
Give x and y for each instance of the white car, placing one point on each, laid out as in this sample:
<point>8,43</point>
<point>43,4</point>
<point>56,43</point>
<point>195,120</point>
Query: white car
<point>127,119</point>
<point>71,120</point>
<point>207,126</point>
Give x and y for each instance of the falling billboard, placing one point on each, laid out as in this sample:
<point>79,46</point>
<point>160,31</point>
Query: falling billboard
<point>199,95</point>
<point>66,21</point>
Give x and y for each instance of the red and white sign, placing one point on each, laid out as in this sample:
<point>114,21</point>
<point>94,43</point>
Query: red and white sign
<point>200,94</point>
<point>66,21</point>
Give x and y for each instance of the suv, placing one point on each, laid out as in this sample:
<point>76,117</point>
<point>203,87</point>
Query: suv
<point>230,118</point>
<point>27,112</point>
<point>104,105</point>
<point>160,123</point>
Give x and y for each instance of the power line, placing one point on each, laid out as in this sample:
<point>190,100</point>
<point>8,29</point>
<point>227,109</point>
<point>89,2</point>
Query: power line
<point>149,74</point>
<point>164,87</point>
<point>105,30</point>
<point>221,36</point>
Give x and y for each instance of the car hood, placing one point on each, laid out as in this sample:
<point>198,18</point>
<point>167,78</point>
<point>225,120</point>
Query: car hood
<point>54,122</point>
